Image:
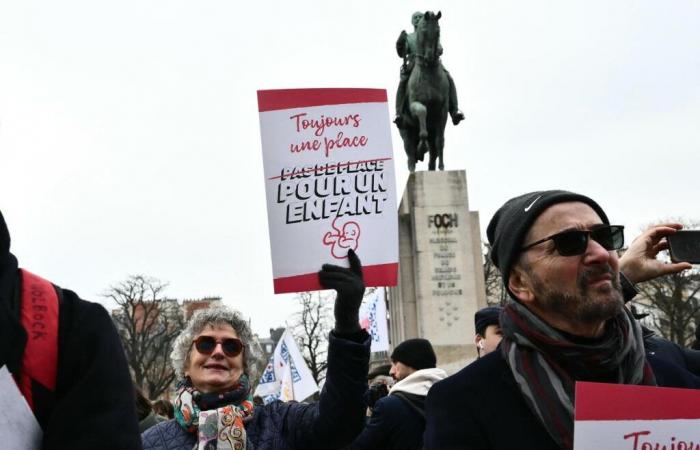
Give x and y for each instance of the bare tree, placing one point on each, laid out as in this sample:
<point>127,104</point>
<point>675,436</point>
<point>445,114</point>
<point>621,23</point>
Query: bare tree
<point>673,303</point>
<point>310,327</point>
<point>496,293</point>
<point>147,323</point>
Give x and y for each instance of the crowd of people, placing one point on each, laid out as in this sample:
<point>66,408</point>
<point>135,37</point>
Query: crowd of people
<point>565,321</point>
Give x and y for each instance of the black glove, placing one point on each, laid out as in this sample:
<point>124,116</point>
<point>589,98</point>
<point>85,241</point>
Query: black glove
<point>374,393</point>
<point>350,287</point>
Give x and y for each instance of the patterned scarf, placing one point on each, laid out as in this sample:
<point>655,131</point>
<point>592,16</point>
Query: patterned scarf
<point>546,364</point>
<point>217,418</point>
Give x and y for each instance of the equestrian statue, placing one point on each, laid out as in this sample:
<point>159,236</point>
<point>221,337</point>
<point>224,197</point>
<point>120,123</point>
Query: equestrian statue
<point>426,92</point>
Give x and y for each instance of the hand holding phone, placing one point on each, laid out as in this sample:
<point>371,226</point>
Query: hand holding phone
<point>684,246</point>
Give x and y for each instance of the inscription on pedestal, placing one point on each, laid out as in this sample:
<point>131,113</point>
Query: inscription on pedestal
<point>447,286</point>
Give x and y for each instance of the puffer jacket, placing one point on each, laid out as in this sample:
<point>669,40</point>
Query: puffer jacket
<point>330,423</point>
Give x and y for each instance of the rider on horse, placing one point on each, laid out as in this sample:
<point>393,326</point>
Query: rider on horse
<point>406,48</point>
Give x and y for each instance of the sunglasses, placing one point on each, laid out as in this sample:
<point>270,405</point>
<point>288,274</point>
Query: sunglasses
<point>575,242</point>
<point>230,346</point>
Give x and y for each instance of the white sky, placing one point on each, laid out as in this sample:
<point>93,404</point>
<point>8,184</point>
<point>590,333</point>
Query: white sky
<point>129,137</point>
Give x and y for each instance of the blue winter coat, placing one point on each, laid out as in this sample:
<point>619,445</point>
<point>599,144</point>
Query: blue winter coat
<point>394,425</point>
<point>481,408</point>
<point>330,423</point>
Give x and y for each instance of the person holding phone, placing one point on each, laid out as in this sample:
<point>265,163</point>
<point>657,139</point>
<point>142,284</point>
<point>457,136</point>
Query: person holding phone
<point>564,322</point>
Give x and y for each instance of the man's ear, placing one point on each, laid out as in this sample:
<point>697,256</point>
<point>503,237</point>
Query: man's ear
<point>477,339</point>
<point>520,284</point>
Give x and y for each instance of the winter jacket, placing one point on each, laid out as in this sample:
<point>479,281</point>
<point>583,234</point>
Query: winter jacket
<point>482,408</point>
<point>398,420</point>
<point>93,403</point>
<point>328,424</point>
<point>672,352</point>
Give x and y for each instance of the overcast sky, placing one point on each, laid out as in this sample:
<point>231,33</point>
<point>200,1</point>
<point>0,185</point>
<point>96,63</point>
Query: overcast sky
<point>129,134</point>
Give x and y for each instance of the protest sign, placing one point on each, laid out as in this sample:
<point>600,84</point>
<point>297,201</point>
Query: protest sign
<point>329,182</point>
<point>373,320</point>
<point>626,417</point>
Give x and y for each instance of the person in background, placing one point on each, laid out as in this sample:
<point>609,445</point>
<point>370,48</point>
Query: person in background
<point>144,410</point>
<point>488,331</point>
<point>163,408</point>
<point>398,419</point>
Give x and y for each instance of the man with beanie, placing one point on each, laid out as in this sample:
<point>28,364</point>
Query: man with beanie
<point>67,360</point>
<point>398,420</point>
<point>565,322</point>
<point>488,331</point>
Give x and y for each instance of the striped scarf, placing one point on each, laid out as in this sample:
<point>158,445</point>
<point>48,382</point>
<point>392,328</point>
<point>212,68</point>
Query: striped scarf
<point>546,364</point>
<point>217,418</point>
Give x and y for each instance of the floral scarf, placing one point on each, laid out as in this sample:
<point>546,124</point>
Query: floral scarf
<point>217,418</point>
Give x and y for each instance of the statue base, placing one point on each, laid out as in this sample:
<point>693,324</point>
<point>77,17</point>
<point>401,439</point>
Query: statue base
<point>441,278</point>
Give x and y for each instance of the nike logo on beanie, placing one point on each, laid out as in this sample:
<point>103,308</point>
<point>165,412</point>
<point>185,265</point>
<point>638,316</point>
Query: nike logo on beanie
<point>527,208</point>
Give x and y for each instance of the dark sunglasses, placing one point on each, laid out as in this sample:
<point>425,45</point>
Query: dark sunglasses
<point>575,242</point>
<point>230,346</point>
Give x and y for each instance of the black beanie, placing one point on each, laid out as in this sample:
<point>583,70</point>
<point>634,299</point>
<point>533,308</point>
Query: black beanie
<point>485,317</point>
<point>416,353</point>
<point>512,221</point>
<point>4,236</point>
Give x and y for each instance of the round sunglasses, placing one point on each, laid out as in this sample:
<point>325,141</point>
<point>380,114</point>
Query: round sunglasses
<point>575,242</point>
<point>230,346</point>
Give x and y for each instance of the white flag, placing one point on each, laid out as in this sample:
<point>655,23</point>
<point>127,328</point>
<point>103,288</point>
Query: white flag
<point>286,376</point>
<point>373,319</point>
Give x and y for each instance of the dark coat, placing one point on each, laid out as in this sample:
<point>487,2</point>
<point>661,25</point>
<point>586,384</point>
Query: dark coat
<point>672,352</point>
<point>93,405</point>
<point>481,408</point>
<point>328,424</point>
<point>394,425</point>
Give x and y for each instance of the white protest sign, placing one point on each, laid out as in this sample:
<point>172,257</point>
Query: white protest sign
<point>373,319</point>
<point>625,417</point>
<point>19,429</point>
<point>329,182</point>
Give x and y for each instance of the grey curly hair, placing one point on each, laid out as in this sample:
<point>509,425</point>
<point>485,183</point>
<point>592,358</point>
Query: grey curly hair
<point>252,355</point>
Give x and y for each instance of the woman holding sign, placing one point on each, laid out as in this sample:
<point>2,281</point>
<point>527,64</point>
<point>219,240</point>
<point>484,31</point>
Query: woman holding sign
<point>215,356</point>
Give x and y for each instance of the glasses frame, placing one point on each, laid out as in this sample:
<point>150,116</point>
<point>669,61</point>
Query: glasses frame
<point>589,235</point>
<point>221,342</point>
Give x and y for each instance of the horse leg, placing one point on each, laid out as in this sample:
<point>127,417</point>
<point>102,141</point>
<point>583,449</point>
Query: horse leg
<point>439,145</point>
<point>420,112</point>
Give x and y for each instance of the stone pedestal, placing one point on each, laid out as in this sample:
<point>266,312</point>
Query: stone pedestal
<point>441,278</point>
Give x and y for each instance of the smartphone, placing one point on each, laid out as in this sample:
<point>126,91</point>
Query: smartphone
<point>684,246</point>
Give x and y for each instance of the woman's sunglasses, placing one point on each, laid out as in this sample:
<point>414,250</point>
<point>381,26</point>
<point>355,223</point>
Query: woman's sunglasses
<point>230,346</point>
<point>575,242</point>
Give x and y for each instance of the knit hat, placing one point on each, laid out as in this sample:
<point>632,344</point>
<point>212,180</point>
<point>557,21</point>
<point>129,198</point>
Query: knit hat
<point>512,221</point>
<point>416,353</point>
<point>485,317</point>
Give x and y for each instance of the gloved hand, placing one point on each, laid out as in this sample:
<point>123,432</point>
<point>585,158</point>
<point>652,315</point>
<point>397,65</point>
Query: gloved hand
<point>350,287</point>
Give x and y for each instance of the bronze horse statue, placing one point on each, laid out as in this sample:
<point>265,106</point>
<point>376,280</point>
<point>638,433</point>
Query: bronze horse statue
<point>428,95</point>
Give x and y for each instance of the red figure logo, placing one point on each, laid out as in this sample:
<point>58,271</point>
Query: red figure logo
<point>343,240</point>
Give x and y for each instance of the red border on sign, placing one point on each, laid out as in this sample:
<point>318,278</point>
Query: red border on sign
<point>276,99</point>
<point>376,275</point>
<point>601,401</point>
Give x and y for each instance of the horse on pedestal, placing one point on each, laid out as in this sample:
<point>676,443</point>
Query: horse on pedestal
<point>428,98</point>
